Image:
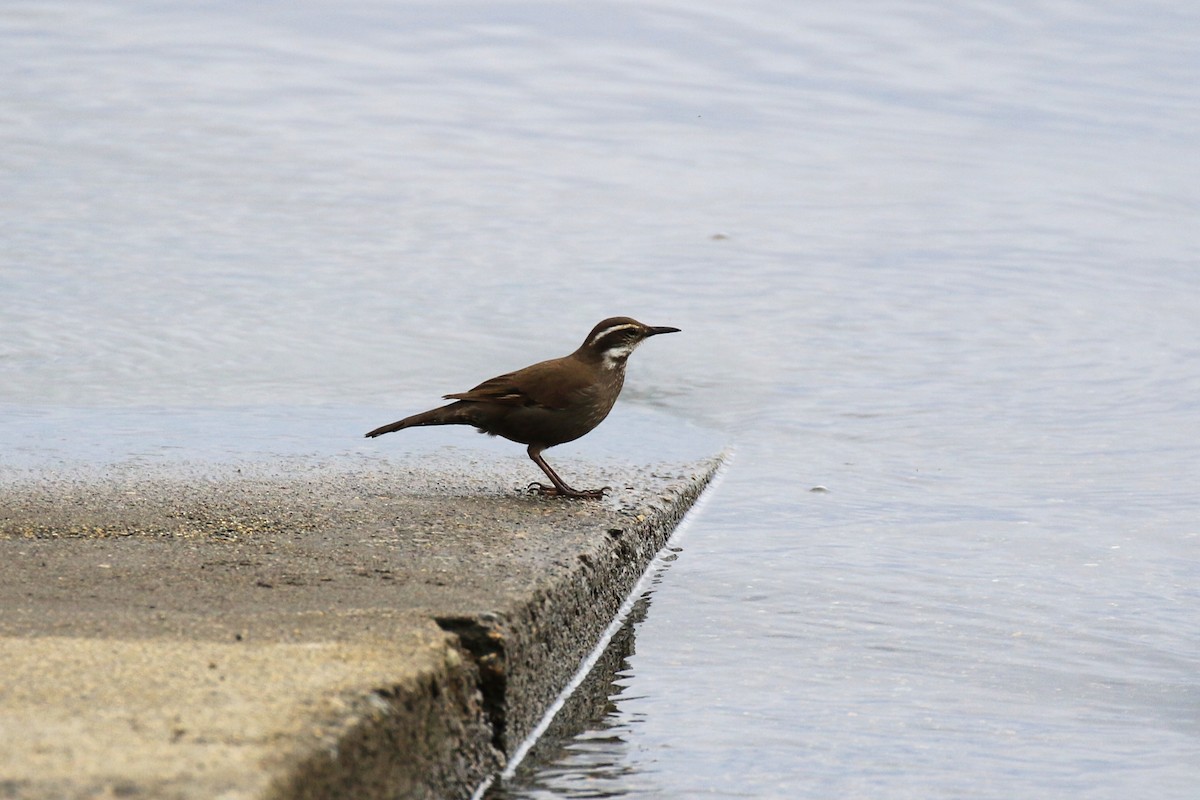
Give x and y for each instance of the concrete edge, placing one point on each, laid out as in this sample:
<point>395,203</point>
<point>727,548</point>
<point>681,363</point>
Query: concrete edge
<point>435,719</point>
<point>457,724</point>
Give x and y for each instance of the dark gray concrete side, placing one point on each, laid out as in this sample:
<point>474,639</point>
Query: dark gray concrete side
<point>301,633</point>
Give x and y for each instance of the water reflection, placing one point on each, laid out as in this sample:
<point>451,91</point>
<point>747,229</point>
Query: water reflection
<point>580,754</point>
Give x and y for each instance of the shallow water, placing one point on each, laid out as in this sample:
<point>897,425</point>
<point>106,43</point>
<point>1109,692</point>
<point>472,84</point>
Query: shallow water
<point>936,258</point>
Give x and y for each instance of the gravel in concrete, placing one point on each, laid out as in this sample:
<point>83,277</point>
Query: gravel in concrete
<point>301,631</point>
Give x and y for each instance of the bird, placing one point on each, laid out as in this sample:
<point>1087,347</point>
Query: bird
<point>547,403</point>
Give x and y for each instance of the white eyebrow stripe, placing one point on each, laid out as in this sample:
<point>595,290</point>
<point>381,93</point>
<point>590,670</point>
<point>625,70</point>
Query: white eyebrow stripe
<point>624,326</point>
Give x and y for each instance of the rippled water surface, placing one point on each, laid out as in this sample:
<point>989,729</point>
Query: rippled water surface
<point>937,259</point>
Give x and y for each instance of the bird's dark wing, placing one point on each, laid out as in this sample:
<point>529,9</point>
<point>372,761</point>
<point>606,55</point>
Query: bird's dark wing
<point>543,385</point>
<point>494,390</point>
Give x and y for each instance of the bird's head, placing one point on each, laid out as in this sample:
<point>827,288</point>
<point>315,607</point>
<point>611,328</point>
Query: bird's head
<point>612,340</point>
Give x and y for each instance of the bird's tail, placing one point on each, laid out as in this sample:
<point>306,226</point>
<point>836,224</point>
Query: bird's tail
<point>453,414</point>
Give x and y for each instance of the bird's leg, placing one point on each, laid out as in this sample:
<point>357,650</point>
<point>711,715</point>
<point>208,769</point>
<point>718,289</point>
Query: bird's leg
<point>560,488</point>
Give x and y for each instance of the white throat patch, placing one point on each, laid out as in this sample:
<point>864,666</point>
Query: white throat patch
<point>617,355</point>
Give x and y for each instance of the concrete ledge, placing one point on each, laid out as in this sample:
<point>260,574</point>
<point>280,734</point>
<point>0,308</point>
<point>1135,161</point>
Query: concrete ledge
<point>301,633</point>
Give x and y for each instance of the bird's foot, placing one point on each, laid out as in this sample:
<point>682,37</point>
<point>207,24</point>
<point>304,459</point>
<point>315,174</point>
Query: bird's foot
<point>566,491</point>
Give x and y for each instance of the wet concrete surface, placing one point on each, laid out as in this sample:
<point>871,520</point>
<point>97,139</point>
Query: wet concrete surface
<point>302,631</point>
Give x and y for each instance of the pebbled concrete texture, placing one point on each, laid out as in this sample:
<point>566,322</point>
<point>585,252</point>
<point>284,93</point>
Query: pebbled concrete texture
<point>302,630</point>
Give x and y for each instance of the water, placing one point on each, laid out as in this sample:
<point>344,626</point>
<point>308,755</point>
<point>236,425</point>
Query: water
<point>937,258</point>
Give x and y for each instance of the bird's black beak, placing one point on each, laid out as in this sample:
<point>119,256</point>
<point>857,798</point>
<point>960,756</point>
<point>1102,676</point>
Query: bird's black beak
<point>657,331</point>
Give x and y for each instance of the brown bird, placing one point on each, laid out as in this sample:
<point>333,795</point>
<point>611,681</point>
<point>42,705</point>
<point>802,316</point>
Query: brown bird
<point>550,402</point>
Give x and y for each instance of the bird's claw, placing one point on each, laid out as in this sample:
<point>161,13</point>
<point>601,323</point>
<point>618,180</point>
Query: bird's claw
<point>554,491</point>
